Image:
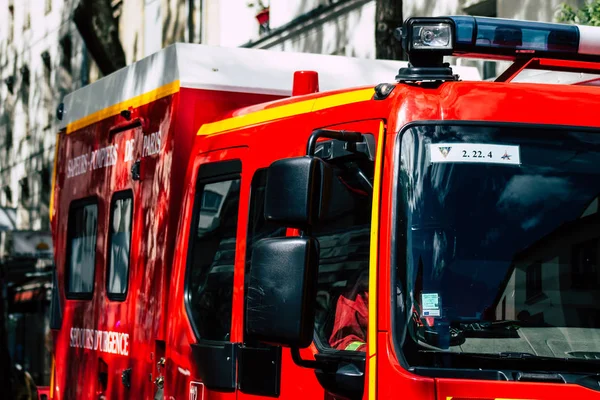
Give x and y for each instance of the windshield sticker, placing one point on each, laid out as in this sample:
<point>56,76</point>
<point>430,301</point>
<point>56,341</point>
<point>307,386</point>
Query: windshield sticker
<point>430,305</point>
<point>475,153</point>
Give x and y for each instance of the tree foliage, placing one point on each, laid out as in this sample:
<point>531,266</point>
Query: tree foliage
<point>589,14</point>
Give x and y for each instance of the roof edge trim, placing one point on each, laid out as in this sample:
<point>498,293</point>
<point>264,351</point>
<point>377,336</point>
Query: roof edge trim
<point>134,102</point>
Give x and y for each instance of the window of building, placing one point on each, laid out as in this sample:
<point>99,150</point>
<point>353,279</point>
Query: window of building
<point>8,195</point>
<point>24,192</point>
<point>211,201</point>
<point>533,282</point>
<point>47,60</point>
<point>81,248</point>
<point>212,257</point>
<point>27,21</point>
<point>194,21</point>
<point>11,24</point>
<point>25,75</point>
<point>8,140</point>
<point>119,245</point>
<point>6,132</point>
<point>25,88</point>
<point>84,71</point>
<point>67,52</point>
<point>584,265</point>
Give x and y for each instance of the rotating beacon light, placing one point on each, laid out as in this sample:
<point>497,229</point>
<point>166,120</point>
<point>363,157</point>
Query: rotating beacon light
<point>427,41</point>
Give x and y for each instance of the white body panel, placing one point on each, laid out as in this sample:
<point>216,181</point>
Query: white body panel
<point>232,70</point>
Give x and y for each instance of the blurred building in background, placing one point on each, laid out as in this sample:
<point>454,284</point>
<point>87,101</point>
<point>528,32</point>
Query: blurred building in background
<point>49,48</point>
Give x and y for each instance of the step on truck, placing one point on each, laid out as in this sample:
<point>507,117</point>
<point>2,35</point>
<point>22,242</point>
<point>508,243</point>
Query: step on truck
<point>241,224</point>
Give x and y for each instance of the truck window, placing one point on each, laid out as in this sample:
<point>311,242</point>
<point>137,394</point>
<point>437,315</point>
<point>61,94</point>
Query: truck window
<point>121,212</point>
<point>258,227</point>
<point>210,285</point>
<point>81,248</point>
<point>342,296</point>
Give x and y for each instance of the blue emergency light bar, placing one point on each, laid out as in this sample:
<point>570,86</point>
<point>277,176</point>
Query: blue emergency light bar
<point>510,37</point>
<point>427,40</point>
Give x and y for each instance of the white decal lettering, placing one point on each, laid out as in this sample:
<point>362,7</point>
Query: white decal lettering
<point>97,336</point>
<point>77,166</point>
<point>88,338</point>
<point>129,147</point>
<point>96,159</point>
<point>125,347</point>
<point>104,157</point>
<point>113,342</point>
<point>151,144</point>
<point>104,341</point>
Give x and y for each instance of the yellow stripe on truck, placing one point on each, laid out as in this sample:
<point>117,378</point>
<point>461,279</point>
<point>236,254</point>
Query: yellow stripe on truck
<point>51,209</point>
<point>134,102</point>
<point>372,345</point>
<point>52,371</point>
<point>286,110</point>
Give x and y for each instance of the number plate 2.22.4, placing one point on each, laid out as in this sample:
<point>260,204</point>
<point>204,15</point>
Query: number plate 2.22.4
<point>474,153</point>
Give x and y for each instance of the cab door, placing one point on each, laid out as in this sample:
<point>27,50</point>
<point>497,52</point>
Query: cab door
<point>341,313</point>
<point>201,352</point>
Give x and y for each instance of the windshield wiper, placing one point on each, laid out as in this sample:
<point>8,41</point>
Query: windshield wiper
<point>458,331</point>
<point>515,354</point>
<point>485,325</point>
<point>505,329</point>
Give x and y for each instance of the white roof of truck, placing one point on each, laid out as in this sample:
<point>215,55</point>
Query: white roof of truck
<point>228,69</point>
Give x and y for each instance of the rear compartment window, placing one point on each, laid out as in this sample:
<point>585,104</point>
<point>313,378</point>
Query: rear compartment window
<point>119,245</point>
<point>210,287</point>
<point>81,252</point>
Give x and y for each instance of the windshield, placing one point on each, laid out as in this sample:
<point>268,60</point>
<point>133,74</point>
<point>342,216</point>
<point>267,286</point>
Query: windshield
<point>498,242</point>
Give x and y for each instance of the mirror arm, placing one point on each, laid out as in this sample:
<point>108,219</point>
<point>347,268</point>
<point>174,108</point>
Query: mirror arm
<point>312,364</point>
<point>346,136</point>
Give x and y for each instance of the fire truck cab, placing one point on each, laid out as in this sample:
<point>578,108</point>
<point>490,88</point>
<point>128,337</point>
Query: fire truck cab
<point>388,230</point>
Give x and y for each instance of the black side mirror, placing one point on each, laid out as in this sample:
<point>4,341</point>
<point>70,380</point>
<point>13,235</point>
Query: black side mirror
<point>297,191</point>
<point>282,291</point>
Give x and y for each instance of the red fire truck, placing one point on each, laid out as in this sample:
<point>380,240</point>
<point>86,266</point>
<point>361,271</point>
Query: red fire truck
<point>376,230</point>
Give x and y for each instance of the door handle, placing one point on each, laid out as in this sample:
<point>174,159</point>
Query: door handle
<point>160,382</point>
